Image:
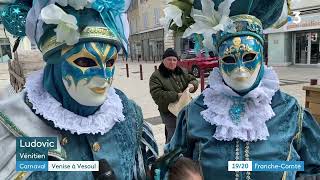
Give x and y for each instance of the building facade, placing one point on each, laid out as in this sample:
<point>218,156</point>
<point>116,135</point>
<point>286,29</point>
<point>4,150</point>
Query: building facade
<point>147,36</point>
<point>297,43</point>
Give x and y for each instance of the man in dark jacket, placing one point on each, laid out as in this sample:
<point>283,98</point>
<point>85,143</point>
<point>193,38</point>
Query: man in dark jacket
<point>166,86</point>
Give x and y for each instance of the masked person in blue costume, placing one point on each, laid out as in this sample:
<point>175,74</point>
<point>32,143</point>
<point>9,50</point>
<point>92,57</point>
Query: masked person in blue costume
<point>242,115</point>
<point>72,97</point>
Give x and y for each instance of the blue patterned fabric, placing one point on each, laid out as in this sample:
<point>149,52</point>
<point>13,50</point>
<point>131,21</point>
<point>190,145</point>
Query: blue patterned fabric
<point>120,147</point>
<point>290,139</point>
<point>14,18</point>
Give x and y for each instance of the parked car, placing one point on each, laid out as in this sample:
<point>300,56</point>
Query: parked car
<point>195,63</point>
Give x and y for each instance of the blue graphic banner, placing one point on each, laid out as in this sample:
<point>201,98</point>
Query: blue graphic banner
<point>277,166</point>
<point>32,166</point>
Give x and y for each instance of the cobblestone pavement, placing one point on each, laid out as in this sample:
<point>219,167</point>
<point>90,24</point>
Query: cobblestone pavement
<point>292,80</point>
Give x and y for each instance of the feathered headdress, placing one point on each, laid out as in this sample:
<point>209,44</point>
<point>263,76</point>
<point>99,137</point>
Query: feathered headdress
<point>53,24</point>
<point>217,20</point>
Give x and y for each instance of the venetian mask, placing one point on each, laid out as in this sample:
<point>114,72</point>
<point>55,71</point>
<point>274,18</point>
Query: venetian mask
<point>241,63</point>
<point>88,70</point>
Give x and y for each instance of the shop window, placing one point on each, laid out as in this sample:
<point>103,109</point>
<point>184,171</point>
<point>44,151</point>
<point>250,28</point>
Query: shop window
<point>308,47</point>
<point>315,50</point>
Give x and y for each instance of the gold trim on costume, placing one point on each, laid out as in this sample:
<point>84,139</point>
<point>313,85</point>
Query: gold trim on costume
<point>66,49</point>
<point>11,126</point>
<point>21,175</point>
<point>88,32</point>
<point>102,32</point>
<point>289,4</point>
<point>248,18</point>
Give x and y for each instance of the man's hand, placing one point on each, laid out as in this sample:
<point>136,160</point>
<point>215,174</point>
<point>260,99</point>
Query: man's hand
<point>191,87</point>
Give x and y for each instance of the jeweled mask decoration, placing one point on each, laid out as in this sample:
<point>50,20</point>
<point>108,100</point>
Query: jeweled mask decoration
<point>241,54</point>
<point>241,62</point>
<point>87,71</point>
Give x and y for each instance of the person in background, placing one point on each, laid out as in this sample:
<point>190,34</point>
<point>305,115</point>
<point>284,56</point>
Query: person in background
<point>166,86</point>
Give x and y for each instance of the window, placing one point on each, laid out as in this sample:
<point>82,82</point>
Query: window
<point>145,20</point>
<point>136,26</point>
<point>157,16</point>
<point>132,24</point>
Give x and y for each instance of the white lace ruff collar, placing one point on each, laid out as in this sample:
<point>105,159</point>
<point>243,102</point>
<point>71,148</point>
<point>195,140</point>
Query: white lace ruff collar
<point>44,104</point>
<point>257,108</point>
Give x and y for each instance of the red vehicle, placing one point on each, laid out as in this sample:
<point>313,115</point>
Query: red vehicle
<point>195,63</point>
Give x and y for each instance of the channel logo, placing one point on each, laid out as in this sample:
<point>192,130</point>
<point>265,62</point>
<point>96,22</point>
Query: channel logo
<point>296,19</point>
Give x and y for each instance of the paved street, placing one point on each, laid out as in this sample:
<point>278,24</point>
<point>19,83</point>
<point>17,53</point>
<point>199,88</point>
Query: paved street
<point>292,79</point>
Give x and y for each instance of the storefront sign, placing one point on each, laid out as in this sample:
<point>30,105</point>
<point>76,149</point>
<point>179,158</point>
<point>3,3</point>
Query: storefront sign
<point>308,21</point>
